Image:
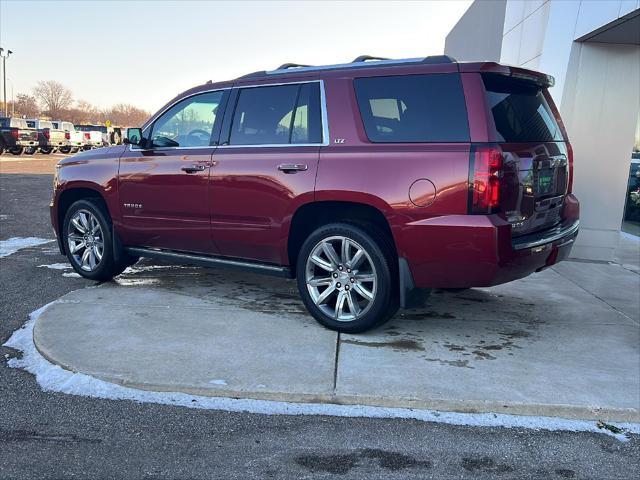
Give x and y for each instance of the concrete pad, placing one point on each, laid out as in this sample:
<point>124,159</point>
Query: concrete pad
<point>610,282</point>
<point>540,346</point>
<point>136,334</point>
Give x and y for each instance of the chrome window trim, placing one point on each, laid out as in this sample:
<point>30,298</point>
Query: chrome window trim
<point>323,118</point>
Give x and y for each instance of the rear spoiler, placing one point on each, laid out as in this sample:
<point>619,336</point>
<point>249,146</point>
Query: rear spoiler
<point>539,78</point>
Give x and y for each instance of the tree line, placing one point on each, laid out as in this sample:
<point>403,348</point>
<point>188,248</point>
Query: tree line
<point>53,100</point>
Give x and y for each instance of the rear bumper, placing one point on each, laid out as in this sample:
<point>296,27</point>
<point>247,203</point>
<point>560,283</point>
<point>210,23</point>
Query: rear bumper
<point>463,251</point>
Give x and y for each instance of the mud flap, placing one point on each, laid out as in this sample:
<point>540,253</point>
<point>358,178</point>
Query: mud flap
<point>410,296</point>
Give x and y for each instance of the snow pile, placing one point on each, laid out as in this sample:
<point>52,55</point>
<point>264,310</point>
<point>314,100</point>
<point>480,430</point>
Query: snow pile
<point>56,266</point>
<point>51,377</point>
<point>13,244</point>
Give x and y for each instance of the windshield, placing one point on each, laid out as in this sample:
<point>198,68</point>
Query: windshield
<point>520,110</point>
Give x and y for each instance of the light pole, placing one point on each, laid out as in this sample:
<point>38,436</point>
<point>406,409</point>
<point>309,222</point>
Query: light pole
<point>5,54</point>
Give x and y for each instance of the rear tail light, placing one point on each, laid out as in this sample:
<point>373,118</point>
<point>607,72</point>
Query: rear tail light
<point>87,136</point>
<point>14,133</point>
<point>570,181</point>
<point>67,135</point>
<point>46,133</point>
<point>485,175</point>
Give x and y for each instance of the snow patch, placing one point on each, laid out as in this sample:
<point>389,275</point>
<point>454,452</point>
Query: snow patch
<point>13,244</point>
<point>56,266</point>
<point>218,382</point>
<point>53,378</point>
<point>71,275</point>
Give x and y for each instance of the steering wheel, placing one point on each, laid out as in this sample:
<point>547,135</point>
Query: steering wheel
<point>198,137</point>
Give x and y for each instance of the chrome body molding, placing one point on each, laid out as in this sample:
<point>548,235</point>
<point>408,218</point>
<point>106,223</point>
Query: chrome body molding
<point>548,236</point>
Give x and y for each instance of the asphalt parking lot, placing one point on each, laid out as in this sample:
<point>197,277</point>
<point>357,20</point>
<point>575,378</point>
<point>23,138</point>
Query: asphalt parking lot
<point>46,434</point>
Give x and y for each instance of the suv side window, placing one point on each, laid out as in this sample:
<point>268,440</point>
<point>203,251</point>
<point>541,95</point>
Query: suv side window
<point>277,115</point>
<point>189,123</point>
<point>413,108</point>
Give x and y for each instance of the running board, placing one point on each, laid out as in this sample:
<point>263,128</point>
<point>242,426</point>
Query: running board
<point>210,261</point>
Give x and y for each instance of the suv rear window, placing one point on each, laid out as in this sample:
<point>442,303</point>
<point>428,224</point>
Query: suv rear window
<point>413,108</point>
<point>520,110</point>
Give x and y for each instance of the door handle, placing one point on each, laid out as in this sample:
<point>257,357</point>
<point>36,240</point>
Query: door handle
<point>292,167</point>
<point>194,168</point>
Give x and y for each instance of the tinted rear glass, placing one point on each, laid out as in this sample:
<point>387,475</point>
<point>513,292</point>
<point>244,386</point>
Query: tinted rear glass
<point>274,115</point>
<point>413,108</point>
<point>520,110</point>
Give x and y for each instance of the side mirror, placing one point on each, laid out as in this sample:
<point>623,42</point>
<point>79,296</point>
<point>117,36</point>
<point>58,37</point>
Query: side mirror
<point>134,136</point>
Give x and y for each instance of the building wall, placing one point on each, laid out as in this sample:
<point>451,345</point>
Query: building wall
<point>600,109</point>
<point>539,34</point>
<point>477,35</point>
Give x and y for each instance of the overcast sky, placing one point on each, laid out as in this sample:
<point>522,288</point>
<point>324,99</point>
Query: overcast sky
<point>144,53</point>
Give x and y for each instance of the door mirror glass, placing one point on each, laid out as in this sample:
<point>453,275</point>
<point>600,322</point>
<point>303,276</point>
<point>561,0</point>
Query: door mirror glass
<point>134,136</point>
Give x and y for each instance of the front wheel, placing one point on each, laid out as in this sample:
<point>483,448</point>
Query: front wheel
<point>30,151</point>
<point>65,150</point>
<point>345,278</point>
<point>46,150</point>
<point>17,150</point>
<point>88,241</point>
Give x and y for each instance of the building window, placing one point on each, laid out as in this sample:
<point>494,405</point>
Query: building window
<point>631,218</point>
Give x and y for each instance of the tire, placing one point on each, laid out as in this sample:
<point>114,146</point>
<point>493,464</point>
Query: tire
<point>65,150</point>
<point>367,292</point>
<point>103,267</point>
<point>1,150</point>
<point>46,150</point>
<point>30,151</point>
<point>17,150</point>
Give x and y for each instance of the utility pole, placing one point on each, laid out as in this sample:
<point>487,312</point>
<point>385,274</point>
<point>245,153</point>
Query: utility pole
<point>5,54</point>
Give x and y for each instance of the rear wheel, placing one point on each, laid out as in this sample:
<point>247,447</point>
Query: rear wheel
<point>46,150</point>
<point>345,278</point>
<point>30,150</point>
<point>89,243</point>
<point>65,150</point>
<point>17,150</point>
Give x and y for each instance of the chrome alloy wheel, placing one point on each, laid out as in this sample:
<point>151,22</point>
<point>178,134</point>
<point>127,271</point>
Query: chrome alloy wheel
<point>343,285</point>
<point>85,240</point>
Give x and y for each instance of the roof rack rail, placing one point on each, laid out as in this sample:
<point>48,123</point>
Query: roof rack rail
<point>284,66</point>
<point>364,58</point>
<point>438,59</point>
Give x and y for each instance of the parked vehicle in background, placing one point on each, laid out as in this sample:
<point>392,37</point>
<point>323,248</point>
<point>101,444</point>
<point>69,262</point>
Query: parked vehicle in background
<point>95,136</point>
<point>16,136</point>
<point>60,139</point>
<point>44,128</point>
<point>370,182</point>
<point>76,138</point>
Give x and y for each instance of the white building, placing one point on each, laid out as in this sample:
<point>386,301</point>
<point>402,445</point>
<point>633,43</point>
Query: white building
<point>592,48</point>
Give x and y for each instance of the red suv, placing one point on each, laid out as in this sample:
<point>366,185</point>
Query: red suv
<point>370,182</point>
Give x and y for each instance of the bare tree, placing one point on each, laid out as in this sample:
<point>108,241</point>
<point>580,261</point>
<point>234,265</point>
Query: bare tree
<point>54,97</point>
<point>126,115</point>
<point>25,105</point>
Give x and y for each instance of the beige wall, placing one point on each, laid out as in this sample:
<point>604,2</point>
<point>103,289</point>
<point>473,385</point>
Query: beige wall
<point>478,33</point>
<point>600,107</point>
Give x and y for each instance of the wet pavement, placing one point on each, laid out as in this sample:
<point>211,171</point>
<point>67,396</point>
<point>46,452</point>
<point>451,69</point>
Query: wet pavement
<point>47,434</point>
<point>552,344</point>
